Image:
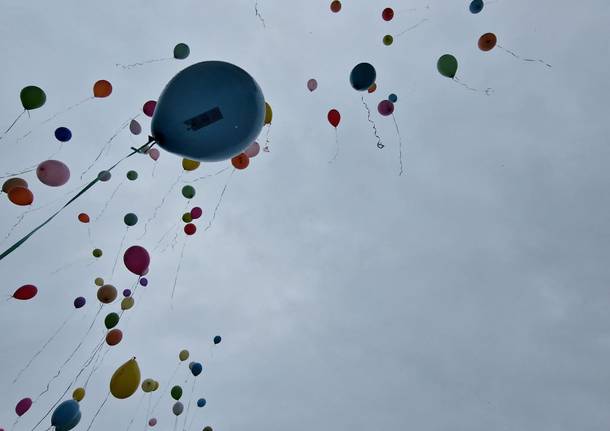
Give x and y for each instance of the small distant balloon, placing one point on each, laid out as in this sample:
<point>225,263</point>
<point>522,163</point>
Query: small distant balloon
<point>23,406</point>
<point>176,392</point>
<point>447,66</point>
<point>253,149</point>
<point>183,355</point>
<point>126,293</point>
<point>114,337</point>
<point>190,165</point>
<point>130,219</point>
<point>190,229</point>
<point>217,339</point>
<point>78,394</point>
<point>154,154</point>
<point>25,292</point>
<point>53,173</point>
<point>268,113</point>
<point>393,98</point>
<point>201,402</point>
<point>363,75</point>
<point>107,294</point>
<point>152,422</point>
<point>387,14</point>
<point>372,88</point>
<point>80,302</point>
<point>63,134</point>
<point>312,84</point>
<point>104,176</point>
<point>143,282</point>
<point>385,108</point>
<point>196,212</point>
<point>188,192</point>
<point>335,6</point>
<point>32,97</point>
<point>102,88</point>
<point>241,161</point>
<point>111,320</point>
<point>334,117</point>
<point>487,42</point>
<point>388,40</point>
<point>181,51</point>
<point>99,281</point>
<point>196,369</point>
<point>135,128</point>
<point>178,408</point>
<point>127,303</point>
<point>97,252</point>
<point>187,217</point>
<point>149,108</point>
<point>132,175</point>
<point>84,218</point>
<point>476,6</point>
<point>21,196</point>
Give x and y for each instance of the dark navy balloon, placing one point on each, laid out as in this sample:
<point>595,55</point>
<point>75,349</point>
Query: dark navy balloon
<point>476,6</point>
<point>143,282</point>
<point>201,402</point>
<point>79,302</point>
<point>65,415</point>
<point>210,111</point>
<point>196,369</point>
<point>362,76</point>
<point>217,339</point>
<point>63,134</point>
<point>70,425</point>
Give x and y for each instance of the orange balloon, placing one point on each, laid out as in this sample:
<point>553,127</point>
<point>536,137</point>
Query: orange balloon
<point>13,182</point>
<point>21,196</point>
<point>240,161</point>
<point>114,337</point>
<point>372,88</point>
<point>487,42</point>
<point>83,218</point>
<point>102,88</point>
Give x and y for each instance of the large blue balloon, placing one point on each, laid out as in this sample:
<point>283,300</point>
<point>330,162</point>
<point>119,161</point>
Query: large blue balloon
<point>71,424</point>
<point>196,369</point>
<point>362,76</point>
<point>65,414</point>
<point>476,6</point>
<point>210,111</point>
<point>201,402</point>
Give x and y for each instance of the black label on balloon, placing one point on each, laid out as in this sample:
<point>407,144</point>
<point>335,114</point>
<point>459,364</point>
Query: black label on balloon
<point>204,119</point>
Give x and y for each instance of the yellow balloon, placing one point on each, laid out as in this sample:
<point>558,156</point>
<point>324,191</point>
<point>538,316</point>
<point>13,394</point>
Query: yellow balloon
<point>78,394</point>
<point>148,385</point>
<point>183,355</point>
<point>99,281</point>
<point>127,303</point>
<point>190,165</point>
<point>125,380</point>
<point>156,386</point>
<point>268,113</point>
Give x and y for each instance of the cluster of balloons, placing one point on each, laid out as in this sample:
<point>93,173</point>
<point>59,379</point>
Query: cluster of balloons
<point>18,192</point>
<point>190,228</point>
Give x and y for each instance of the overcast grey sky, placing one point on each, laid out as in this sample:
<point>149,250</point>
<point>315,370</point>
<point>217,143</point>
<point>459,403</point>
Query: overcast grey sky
<point>469,294</point>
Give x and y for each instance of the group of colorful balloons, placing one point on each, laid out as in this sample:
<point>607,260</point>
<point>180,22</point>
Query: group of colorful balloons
<point>188,217</point>
<point>18,192</point>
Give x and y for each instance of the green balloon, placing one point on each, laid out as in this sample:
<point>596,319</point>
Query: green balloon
<point>188,192</point>
<point>132,175</point>
<point>447,65</point>
<point>97,252</point>
<point>176,392</point>
<point>187,217</point>
<point>130,219</point>
<point>181,51</point>
<point>111,320</point>
<point>32,97</point>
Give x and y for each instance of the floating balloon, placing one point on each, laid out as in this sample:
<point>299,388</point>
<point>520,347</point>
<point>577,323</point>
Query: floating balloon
<point>126,293</point>
<point>127,303</point>
<point>476,6</point>
<point>385,108</point>
<point>388,40</point>
<point>97,252</point>
<point>190,165</point>
<point>111,320</point>
<point>196,369</point>
<point>201,402</point>
<point>53,173</point>
<point>154,154</point>
<point>66,415</point>
<point>136,259</point>
<point>132,175</point>
<point>363,75</point>
<point>11,183</point>
<point>99,281</point>
<point>23,406</point>
<point>63,134</point>
<point>188,192</point>
<point>21,196</point>
<point>207,428</point>
<point>240,161</point>
<point>130,219</point>
<point>125,380</point>
<point>25,292</point>
<point>210,111</point>
<point>80,302</point>
<point>178,408</point>
<point>107,294</point>
<point>487,42</point>
<point>268,113</point>
<point>152,422</point>
<point>149,108</point>
<point>217,339</point>
<point>447,66</point>
<point>148,385</point>
<point>190,229</point>
<point>335,6</point>
<point>181,51</point>
<point>372,88</point>
<point>135,128</point>
<point>104,176</point>
<point>32,97</point>
<point>183,355</point>
<point>78,394</point>
<point>393,98</point>
<point>143,282</point>
<point>334,118</point>
<point>114,337</point>
<point>83,218</point>
<point>187,217</point>
<point>312,84</point>
<point>387,14</point>
<point>253,149</point>
<point>176,392</point>
<point>102,88</point>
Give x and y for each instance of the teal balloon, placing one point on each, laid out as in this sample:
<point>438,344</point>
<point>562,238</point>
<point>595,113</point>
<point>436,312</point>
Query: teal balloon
<point>393,98</point>
<point>70,425</point>
<point>66,415</point>
<point>181,51</point>
<point>363,75</point>
<point>188,192</point>
<point>210,111</point>
<point>130,219</point>
<point>447,65</point>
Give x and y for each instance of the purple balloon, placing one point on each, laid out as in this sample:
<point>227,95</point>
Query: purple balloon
<point>312,84</point>
<point>79,302</point>
<point>23,406</point>
<point>126,293</point>
<point>143,282</point>
<point>53,173</point>
<point>385,108</point>
<point>135,128</point>
<point>196,212</point>
<point>253,149</point>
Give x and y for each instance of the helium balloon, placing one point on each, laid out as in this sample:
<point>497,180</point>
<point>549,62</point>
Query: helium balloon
<point>385,108</point>
<point>63,134</point>
<point>132,175</point>
<point>372,88</point>
<point>393,98</point>
<point>334,118</point>
<point>127,303</point>
<point>102,88</point>
<point>78,394</point>
<point>143,282</point>
<point>80,302</point>
<point>253,149</point>
<point>21,196</point>
<point>447,66</point>
<point>183,355</point>
<point>148,385</point>
<point>130,219</point>
<point>191,365</point>
<point>196,212</point>
<point>187,217</point>
<point>363,75</point>
<point>201,402</point>
<point>25,292</point>
<point>136,259</point>
<point>23,406</point>
<point>135,128</point>
<point>156,386</point>
<point>126,293</point>
<point>190,229</point>
<point>104,176</point>
<point>388,40</point>
<point>487,42</point>
<point>268,113</point>
<point>65,414</point>
<point>107,294</point>
<point>12,183</point>
<point>125,380</point>
<point>476,6</point>
<point>111,320</point>
<point>335,6</point>
<point>217,339</point>
<point>387,14</point>
<point>312,84</point>
<point>210,111</point>
<point>188,192</point>
<point>181,51</point>
<point>70,425</point>
<point>152,422</point>
<point>196,369</point>
<point>114,337</point>
<point>190,165</point>
<point>99,281</point>
<point>32,97</point>
<point>149,108</point>
<point>208,428</point>
<point>178,408</point>
<point>154,154</point>
<point>240,161</point>
<point>176,392</point>
<point>53,173</point>
<point>83,218</point>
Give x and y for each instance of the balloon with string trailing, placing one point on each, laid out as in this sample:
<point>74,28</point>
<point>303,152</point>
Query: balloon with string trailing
<point>136,259</point>
<point>79,302</point>
<point>107,294</point>
<point>53,173</point>
<point>196,369</point>
<point>102,88</point>
<point>127,303</point>
<point>152,422</point>
<point>132,175</point>
<point>130,219</point>
<point>312,84</point>
<point>388,40</point>
<point>134,127</point>
<point>387,14</point>
<point>181,51</point>
<point>114,337</point>
<point>201,402</point>
<point>447,66</point>
<point>176,392</point>
<point>487,42</point>
<point>32,97</point>
<point>23,406</point>
<point>196,212</point>
<point>66,415</point>
<point>125,380</point>
<point>190,229</point>
<point>104,176</point>
<point>385,108</point>
<point>393,98</point>
<point>84,218</point>
<point>21,196</point>
<point>334,118</point>
<point>78,394</point>
<point>154,154</point>
<point>217,339</point>
<point>188,192</point>
<point>63,134</point>
<point>177,408</point>
<point>149,108</point>
<point>25,292</point>
<point>362,76</point>
<point>190,165</point>
<point>476,6</point>
<point>111,320</point>
<point>183,355</point>
<point>97,253</point>
<point>99,281</point>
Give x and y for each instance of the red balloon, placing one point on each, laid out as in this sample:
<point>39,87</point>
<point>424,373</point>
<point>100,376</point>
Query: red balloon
<point>335,6</point>
<point>241,161</point>
<point>149,108</point>
<point>136,259</point>
<point>387,14</point>
<point>334,118</point>
<point>23,406</point>
<point>196,213</point>
<point>385,108</point>
<point>190,229</point>
<point>25,292</point>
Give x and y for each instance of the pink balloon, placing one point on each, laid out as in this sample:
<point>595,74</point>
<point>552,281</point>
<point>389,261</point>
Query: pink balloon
<point>196,212</point>
<point>53,173</point>
<point>135,128</point>
<point>312,84</point>
<point>23,406</point>
<point>253,149</point>
<point>149,108</point>
<point>385,108</point>
<point>152,422</point>
<point>154,154</point>
<point>136,259</point>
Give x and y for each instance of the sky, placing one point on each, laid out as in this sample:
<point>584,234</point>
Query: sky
<point>469,293</point>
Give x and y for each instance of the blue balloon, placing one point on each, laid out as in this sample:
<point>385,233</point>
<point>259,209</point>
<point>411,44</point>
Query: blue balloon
<point>70,425</point>
<point>476,6</point>
<point>393,98</point>
<point>201,402</point>
<point>217,339</point>
<point>63,134</point>
<point>362,76</point>
<point>210,111</point>
<point>196,369</point>
<point>65,414</point>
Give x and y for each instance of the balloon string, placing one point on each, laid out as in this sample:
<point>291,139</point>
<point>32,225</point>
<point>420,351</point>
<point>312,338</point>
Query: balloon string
<point>413,27</point>
<point>170,229</point>
<point>488,91</point>
<point>188,408</point>
<point>209,175</point>
<point>98,362</point>
<point>51,338</point>
<point>167,384</point>
<point>98,411</point>
<point>267,139</point>
<point>414,9</point>
<point>147,412</point>
<point>399,144</point>
<point>336,147</point>
<point>524,59</point>
<point>12,124</point>
<point>158,207</point>
<point>25,171</point>
<point>178,272</point>
<point>135,412</point>
<point>141,63</point>
<point>116,258</point>
<point>368,115</point>
<point>108,201</point>
<point>258,15</point>
<point>69,108</point>
<point>220,199</point>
